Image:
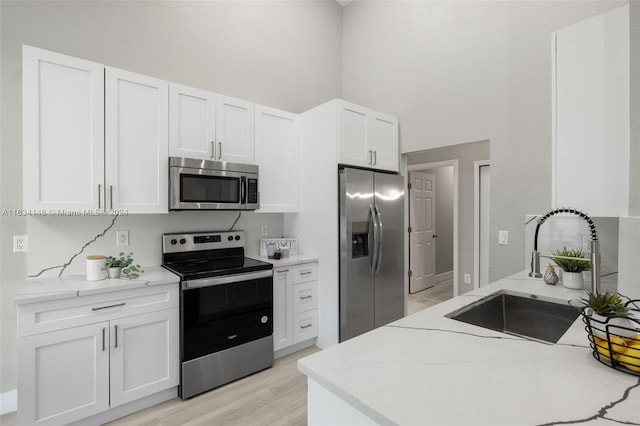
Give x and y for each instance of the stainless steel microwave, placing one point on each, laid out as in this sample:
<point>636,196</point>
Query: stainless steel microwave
<point>212,185</point>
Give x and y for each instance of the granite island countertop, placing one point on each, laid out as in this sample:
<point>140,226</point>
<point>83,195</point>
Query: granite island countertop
<point>52,288</point>
<point>426,369</point>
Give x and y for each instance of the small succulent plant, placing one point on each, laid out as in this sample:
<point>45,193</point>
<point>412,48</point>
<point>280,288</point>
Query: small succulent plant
<point>606,304</point>
<point>571,265</point>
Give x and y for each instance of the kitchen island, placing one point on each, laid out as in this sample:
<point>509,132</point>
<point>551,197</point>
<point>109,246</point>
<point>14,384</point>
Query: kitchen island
<point>429,369</point>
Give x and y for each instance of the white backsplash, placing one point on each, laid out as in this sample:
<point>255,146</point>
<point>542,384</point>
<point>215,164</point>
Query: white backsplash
<point>53,240</point>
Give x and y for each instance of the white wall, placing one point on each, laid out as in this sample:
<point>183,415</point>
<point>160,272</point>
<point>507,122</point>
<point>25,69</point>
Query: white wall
<point>283,54</point>
<point>455,72</point>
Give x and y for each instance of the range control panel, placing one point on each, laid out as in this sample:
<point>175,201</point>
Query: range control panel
<point>183,242</point>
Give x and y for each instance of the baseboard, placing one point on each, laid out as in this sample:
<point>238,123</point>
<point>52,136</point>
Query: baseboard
<point>445,276</point>
<point>8,402</point>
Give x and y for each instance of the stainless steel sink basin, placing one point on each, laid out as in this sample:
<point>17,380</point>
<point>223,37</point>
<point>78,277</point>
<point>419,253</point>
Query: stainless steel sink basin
<point>520,315</point>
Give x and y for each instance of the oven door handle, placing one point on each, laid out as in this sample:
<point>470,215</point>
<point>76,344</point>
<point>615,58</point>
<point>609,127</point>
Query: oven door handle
<point>226,279</point>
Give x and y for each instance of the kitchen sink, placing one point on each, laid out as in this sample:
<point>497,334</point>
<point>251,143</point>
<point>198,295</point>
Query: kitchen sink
<point>521,315</point>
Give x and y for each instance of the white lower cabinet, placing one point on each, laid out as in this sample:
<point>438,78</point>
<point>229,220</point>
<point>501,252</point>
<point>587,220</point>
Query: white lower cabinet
<point>121,351</point>
<point>63,376</point>
<point>295,304</point>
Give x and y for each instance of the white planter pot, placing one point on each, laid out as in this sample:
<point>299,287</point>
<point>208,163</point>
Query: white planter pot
<point>114,272</point>
<point>600,330</point>
<point>572,280</point>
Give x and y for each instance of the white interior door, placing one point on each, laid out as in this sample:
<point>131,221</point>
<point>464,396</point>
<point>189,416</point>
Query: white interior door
<point>422,236</point>
<point>485,175</point>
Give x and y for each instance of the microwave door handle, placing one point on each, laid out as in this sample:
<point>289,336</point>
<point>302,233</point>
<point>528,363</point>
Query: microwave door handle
<point>243,190</point>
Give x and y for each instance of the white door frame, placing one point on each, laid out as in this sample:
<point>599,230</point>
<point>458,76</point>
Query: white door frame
<point>476,220</point>
<point>435,165</point>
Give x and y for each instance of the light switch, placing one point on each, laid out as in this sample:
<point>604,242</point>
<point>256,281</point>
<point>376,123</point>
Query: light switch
<point>503,237</point>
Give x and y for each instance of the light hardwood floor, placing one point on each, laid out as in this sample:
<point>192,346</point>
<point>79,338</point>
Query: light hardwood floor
<point>429,297</point>
<point>277,396</point>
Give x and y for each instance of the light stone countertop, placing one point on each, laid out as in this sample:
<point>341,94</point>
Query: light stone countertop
<point>292,260</point>
<point>429,369</point>
<point>52,288</point>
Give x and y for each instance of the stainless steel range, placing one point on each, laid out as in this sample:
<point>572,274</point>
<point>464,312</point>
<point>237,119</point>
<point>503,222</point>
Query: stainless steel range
<point>226,308</point>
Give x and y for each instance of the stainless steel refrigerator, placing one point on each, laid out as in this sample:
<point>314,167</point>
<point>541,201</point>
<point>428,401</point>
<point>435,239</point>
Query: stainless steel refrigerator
<point>371,250</point>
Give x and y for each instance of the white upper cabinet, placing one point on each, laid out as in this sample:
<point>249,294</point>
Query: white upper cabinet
<point>208,126</point>
<point>192,122</point>
<point>136,142</point>
<point>591,125</point>
<point>277,158</point>
<point>94,138</point>
<point>235,130</point>
<point>367,138</point>
<point>63,131</point>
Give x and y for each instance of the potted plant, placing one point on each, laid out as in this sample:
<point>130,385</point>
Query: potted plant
<point>607,309</point>
<point>122,264</point>
<point>572,268</point>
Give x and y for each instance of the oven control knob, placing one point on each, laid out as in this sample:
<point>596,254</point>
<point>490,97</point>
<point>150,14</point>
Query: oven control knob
<point>264,319</point>
<point>230,238</point>
<point>174,242</point>
<point>182,241</point>
<point>237,237</point>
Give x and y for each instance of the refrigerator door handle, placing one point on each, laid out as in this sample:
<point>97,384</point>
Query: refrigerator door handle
<point>379,239</point>
<point>374,222</point>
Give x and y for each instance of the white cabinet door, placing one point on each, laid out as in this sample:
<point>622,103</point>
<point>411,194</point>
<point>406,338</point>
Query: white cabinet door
<point>384,142</point>
<point>144,355</point>
<point>354,145</point>
<point>282,308</point>
<point>276,149</point>
<point>367,138</point>
<point>234,130</point>
<point>63,375</point>
<point>591,136</point>
<point>192,122</point>
<point>137,114</point>
<point>63,131</point>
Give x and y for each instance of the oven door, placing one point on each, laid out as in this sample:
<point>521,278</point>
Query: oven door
<point>205,189</point>
<point>223,312</point>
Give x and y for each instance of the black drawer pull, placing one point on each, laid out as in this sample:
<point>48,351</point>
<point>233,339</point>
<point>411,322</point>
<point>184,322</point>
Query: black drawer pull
<point>282,271</point>
<point>305,326</point>
<point>305,297</point>
<point>305,273</point>
<point>107,307</point>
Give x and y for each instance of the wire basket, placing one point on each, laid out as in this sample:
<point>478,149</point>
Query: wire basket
<point>615,341</point>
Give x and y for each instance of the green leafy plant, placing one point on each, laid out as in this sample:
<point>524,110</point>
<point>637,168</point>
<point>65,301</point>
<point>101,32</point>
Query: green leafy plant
<point>122,261</point>
<point>606,304</point>
<point>132,271</point>
<point>571,265</point>
<point>129,269</point>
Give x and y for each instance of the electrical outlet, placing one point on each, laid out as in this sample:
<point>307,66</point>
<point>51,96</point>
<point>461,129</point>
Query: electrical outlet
<point>264,230</point>
<point>467,278</point>
<point>122,238</point>
<point>503,237</point>
<point>20,243</point>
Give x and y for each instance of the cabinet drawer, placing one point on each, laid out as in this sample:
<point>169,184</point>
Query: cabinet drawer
<point>305,296</point>
<point>305,326</point>
<point>305,272</point>
<point>43,317</point>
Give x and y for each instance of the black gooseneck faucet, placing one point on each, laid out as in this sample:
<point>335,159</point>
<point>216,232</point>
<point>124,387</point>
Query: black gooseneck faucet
<point>594,245</point>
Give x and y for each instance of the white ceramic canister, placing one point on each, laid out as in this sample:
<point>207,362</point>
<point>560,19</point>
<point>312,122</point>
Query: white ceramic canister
<point>96,268</point>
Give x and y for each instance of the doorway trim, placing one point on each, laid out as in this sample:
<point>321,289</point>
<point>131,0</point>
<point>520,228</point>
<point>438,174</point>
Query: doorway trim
<point>476,220</point>
<point>435,165</point>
